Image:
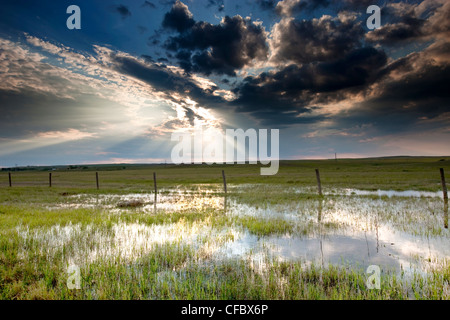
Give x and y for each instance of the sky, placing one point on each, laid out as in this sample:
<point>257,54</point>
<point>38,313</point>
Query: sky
<point>115,90</point>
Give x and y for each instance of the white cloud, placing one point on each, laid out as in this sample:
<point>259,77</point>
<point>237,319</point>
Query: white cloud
<point>71,134</point>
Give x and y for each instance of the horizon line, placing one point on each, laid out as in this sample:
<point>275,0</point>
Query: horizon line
<point>171,163</point>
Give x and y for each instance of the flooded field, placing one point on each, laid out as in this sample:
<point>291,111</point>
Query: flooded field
<point>405,233</point>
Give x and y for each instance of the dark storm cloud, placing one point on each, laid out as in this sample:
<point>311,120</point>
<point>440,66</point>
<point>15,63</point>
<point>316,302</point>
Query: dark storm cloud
<point>420,93</point>
<point>411,89</point>
<point>394,34</point>
<point>207,48</point>
<point>179,18</point>
<point>294,87</point>
<point>164,80</point>
<point>406,24</point>
<point>330,62</point>
<point>265,106</point>
<point>304,41</point>
<point>400,25</point>
<point>123,11</point>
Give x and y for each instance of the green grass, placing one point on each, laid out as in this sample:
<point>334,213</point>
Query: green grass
<point>170,272</point>
<point>403,173</point>
<point>267,227</point>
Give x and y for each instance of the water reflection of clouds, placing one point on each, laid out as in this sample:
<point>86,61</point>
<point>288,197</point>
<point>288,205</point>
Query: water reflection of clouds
<point>401,233</point>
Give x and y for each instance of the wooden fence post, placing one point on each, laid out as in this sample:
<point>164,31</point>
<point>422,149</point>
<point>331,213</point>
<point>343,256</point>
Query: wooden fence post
<point>9,176</point>
<point>446,215</point>
<point>444,186</point>
<point>444,191</point>
<point>224,181</point>
<point>156,187</point>
<point>318,181</point>
<point>96,180</point>
<point>319,216</point>
<point>50,179</point>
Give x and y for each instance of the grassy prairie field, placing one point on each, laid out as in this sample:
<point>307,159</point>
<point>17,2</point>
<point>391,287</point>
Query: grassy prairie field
<point>271,237</point>
<point>406,173</point>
